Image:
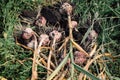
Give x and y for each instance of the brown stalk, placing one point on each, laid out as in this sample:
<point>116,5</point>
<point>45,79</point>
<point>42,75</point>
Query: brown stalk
<point>93,51</point>
<point>34,64</point>
<point>46,58</point>
<point>65,42</point>
<point>79,48</point>
<point>49,61</point>
<point>70,27</point>
<point>65,51</point>
<point>85,77</point>
<point>63,74</point>
<point>71,37</point>
<point>43,61</point>
<point>43,47</point>
<point>57,76</point>
<point>44,66</point>
<point>50,55</point>
<point>101,75</point>
<point>56,62</point>
<point>35,59</point>
<point>22,45</point>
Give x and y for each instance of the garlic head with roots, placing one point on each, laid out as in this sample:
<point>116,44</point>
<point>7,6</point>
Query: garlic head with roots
<point>92,35</point>
<point>27,33</point>
<point>55,35</point>
<point>66,7</point>
<point>44,39</point>
<point>41,21</point>
<point>74,24</point>
<point>80,57</point>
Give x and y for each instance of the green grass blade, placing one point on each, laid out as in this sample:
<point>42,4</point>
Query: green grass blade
<point>59,67</point>
<point>72,60</point>
<point>115,78</point>
<point>85,72</point>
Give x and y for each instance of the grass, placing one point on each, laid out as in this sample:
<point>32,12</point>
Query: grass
<point>15,62</point>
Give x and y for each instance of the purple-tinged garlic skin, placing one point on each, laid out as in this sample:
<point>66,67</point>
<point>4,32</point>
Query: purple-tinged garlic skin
<point>80,57</point>
<point>56,35</point>
<point>66,7</point>
<point>74,24</point>
<point>44,38</point>
<point>41,21</point>
<point>27,33</point>
<point>93,35</point>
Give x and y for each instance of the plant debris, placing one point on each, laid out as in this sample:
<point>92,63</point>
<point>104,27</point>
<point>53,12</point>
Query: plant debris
<point>52,35</point>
